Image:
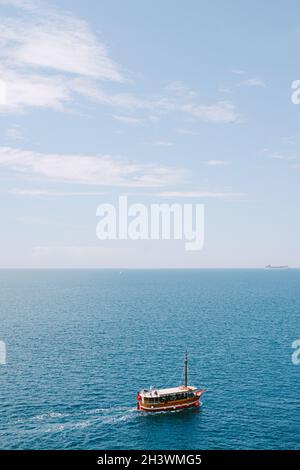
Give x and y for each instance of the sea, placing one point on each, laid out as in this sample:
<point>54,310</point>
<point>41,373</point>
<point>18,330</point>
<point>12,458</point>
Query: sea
<point>81,343</point>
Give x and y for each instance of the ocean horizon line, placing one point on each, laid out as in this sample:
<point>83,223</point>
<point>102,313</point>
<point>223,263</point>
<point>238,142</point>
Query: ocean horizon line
<point>137,268</point>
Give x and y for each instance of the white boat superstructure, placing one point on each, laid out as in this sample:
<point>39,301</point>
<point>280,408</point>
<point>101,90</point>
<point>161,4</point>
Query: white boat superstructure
<point>168,399</point>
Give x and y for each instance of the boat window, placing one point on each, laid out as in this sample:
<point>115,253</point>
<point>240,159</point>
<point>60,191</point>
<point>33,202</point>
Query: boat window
<point>169,398</point>
<point>151,400</point>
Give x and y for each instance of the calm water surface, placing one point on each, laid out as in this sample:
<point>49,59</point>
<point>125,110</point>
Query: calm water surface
<point>81,343</point>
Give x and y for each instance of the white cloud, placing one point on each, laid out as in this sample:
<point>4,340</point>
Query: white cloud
<point>180,99</point>
<point>256,82</point>
<point>56,40</point>
<point>247,82</point>
<point>285,158</point>
<point>124,100</point>
<point>163,143</point>
<point>47,193</point>
<point>199,194</point>
<point>24,4</point>
<point>48,55</point>
<point>222,112</point>
<point>163,194</point>
<point>102,170</point>
<point>183,131</point>
<point>34,91</point>
<point>126,119</point>
<point>218,162</point>
<point>180,89</point>
<point>77,256</point>
<point>49,58</point>
<point>14,132</point>
<point>238,71</point>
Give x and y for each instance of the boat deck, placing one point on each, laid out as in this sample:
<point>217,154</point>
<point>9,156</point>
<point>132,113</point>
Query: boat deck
<point>165,391</point>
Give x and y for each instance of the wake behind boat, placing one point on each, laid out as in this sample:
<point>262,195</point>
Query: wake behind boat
<point>169,399</point>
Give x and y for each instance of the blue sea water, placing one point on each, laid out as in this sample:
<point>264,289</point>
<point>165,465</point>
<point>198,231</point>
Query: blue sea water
<point>80,343</point>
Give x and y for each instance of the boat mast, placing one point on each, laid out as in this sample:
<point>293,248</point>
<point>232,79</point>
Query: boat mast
<point>186,369</point>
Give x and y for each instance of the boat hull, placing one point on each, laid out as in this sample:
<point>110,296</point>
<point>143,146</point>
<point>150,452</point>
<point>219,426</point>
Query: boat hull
<point>174,407</point>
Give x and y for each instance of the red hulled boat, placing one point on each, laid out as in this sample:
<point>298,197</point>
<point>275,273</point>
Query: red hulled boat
<point>170,399</point>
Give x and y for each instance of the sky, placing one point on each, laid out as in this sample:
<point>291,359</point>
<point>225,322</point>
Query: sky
<point>165,102</point>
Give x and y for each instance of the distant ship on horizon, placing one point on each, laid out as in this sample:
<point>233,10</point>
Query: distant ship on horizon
<point>270,266</point>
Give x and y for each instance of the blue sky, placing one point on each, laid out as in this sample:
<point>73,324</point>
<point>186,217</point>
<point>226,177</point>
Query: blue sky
<point>163,101</point>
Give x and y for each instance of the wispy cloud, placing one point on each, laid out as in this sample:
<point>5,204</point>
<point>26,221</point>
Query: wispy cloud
<point>24,4</point>
<point>14,133</point>
<point>49,193</point>
<point>238,71</point>
<point>183,131</point>
<point>181,89</point>
<point>104,170</point>
<point>217,162</point>
<point>163,143</point>
<point>50,57</point>
<point>78,256</point>
<point>43,51</point>
<point>220,112</point>
<point>255,82</point>
<point>229,195</point>
<point>246,82</point>
<point>127,119</point>
<point>200,194</point>
<point>34,91</point>
<point>53,39</point>
<point>286,158</point>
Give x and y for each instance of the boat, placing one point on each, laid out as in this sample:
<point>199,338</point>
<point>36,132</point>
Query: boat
<point>170,399</point>
<point>269,266</point>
